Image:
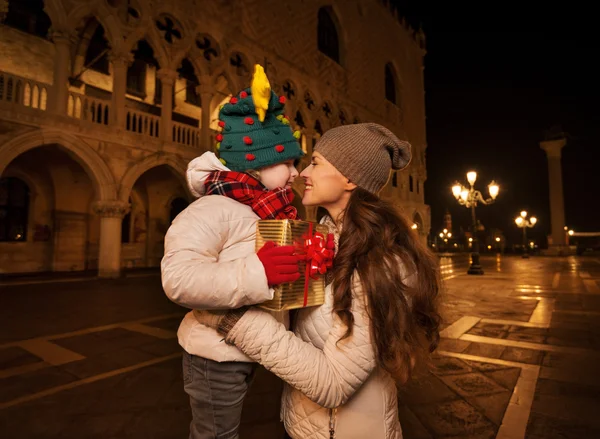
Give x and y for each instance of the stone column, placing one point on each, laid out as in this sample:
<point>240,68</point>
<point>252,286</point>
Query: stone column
<point>206,95</point>
<point>120,63</point>
<point>167,78</point>
<point>557,207</point>
<point>62,65</point>
<point>111,217</point>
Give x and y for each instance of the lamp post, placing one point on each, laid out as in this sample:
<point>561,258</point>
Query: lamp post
<point>445,235</point>
<point>469,197</point>
<point>524,224</point>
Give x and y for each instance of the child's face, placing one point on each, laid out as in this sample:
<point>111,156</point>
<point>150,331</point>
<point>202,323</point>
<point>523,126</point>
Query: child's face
<point>279,175</point>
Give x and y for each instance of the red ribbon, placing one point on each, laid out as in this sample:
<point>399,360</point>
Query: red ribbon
<point>318,253</point>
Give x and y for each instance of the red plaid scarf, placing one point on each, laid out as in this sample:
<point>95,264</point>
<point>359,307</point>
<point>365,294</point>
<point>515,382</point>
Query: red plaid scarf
<point>242,187</point>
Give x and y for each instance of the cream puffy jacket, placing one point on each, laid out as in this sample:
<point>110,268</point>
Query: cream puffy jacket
<point>325,382</point>
<point>210,262</point>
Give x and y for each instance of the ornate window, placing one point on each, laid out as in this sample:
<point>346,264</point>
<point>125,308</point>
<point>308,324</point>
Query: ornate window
<point>168,29</point>
<point>136,73</point>
<point>186,71</point>
<point>327,35</point>
<point>28,16</point>
<point>14,209</point>
<point>390,84</point>
<point>96,54</point>
<point>410,183</point>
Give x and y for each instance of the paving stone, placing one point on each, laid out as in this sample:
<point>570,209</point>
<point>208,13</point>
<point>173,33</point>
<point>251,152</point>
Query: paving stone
<point>411,426</point>
<point>507,378</point>
<point>454,419</point>
<point>14,356</point>
<point>106,362</point>
<point>472,384</point>
<point>494,406</point>
<point>33,382</point>
<point>453,345</point>
<point>167,324</point>
<point>526,330</point>
<point>428,389</point>
<point>521,355</point>
<point>103,342</point>
<point>559,388</point>
<point>532,338</point>
<point>485,350</point>
<point>547,427</point>
<point>449,365</point>
<point>161,348</point>
<point>485,367</point>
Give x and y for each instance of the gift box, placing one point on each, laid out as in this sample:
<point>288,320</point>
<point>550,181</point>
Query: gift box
<point>311,241</point>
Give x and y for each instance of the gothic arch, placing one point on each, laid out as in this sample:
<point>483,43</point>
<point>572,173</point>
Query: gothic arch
<point>99,12</point>
<point>137,170</point>
<point>57,13</point>
<point>93,164</point>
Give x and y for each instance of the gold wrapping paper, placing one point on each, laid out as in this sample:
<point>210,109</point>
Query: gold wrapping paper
<point>291,295</point>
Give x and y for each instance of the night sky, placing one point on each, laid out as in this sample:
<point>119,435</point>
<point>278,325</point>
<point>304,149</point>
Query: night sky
<point>494,84</point>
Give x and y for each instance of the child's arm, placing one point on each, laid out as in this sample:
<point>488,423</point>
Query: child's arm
<point>193,276</point>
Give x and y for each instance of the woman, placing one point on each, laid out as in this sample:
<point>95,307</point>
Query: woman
<point>344,358</point>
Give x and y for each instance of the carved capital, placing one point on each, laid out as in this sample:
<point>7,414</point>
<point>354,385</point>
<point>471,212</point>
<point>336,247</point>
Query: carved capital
<point>125,58</point>
<point>63,37</point>
<point>206,91</point>
<point>553,147</point>
<point>111,209</point>
<point>167,76</point>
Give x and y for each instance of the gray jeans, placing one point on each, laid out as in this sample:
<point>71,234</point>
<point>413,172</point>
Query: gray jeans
<point>217,392</point>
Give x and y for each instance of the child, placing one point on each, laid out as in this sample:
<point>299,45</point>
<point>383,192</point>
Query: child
<point>210,260</point>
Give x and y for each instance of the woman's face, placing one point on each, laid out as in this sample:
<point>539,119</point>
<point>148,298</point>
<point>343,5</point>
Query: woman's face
<point>325,185</point>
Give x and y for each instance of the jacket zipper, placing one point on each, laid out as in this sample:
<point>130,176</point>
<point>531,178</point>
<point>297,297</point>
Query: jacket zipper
<point>332,423</point>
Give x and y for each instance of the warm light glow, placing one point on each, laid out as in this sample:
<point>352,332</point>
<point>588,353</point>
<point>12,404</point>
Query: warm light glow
<point>441,235</point>
<point>519,220</point>
<point>566,228</point>
<point>571,232</point>
<point>445,240</point>
<point>533,220</point>
<point>445,230</point>
<point>455,244</point>
<point>497,239</point>
<point>414,226</point>
<point>471,177</point>
<point>464,194</point>
<point>524,213</point>
<point>456,190</point>
<point>470,239</point>
<point>489,247</point>
<point>494,190</point>
<point>449,235</point>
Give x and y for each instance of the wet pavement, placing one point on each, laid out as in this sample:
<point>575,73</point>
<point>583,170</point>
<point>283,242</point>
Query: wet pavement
<point>518,357</point>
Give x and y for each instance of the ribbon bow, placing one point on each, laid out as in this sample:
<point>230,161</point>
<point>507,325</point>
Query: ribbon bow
<point>318,253</point>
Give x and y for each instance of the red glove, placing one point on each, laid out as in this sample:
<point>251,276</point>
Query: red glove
<point>281,264</point>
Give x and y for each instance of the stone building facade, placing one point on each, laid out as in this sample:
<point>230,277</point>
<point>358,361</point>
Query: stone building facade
<point>104,102</point>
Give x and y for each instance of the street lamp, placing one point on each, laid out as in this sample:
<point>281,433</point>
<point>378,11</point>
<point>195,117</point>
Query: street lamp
<point>445,235</point>
<point>469,197</point>
<point>524,224</point>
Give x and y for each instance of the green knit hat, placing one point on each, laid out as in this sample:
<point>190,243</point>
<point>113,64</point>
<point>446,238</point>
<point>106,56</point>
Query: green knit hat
<point>254,131</point>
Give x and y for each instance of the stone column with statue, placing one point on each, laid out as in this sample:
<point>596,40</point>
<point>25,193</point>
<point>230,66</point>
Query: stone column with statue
<point>553,147</point>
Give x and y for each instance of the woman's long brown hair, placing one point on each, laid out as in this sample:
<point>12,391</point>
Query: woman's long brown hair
<point>378,244</point>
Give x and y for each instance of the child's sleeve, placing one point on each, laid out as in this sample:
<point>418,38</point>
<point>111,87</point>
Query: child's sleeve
<point>193,276</point>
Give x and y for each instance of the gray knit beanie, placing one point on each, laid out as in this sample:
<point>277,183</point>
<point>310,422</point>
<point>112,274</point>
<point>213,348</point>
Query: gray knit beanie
<point>364,153</point>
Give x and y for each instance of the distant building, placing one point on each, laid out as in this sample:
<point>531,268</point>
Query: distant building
<point>104,102</point>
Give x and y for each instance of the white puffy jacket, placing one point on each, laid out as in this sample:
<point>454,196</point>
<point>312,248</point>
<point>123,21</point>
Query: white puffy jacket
<point>210,262</point>
<point>325,381</point>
